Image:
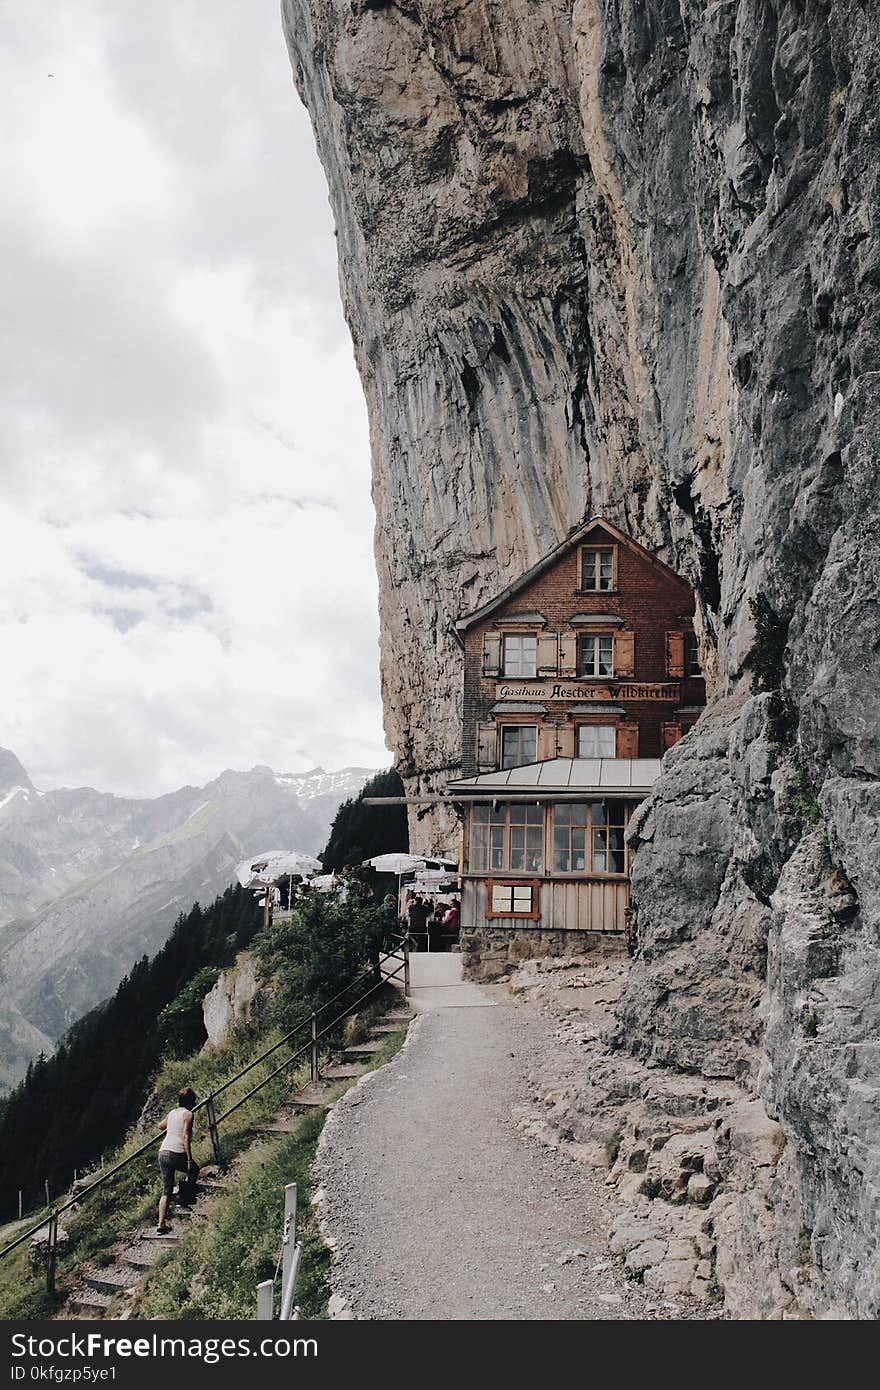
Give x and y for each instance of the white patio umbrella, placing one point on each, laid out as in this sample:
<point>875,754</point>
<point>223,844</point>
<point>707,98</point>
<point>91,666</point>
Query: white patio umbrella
<point>399,864</point>
<point>433,878</point>
<point>395,863</point>
<point>263,870</point>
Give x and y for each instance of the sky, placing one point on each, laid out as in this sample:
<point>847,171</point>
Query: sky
<point>186,564</point>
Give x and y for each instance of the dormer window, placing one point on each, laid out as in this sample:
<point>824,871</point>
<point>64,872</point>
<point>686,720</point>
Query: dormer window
<point>520,655</point>
<point>597,569</point>
<point>596,655</point>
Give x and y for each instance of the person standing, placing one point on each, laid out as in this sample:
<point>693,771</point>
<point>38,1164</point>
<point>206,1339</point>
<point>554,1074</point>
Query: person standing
<point>175,1153</point>
<point>417,915</point>
<point>452,920</point>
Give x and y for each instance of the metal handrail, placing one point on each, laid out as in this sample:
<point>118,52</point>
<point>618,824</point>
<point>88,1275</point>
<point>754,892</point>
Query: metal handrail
<point>51,1217</point>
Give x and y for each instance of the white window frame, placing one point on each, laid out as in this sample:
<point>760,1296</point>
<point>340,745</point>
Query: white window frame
<point>596,729</point>
<point>591,668</point>
<point>519,666</point>
<point>520,729</point>
<point>512,899</point>
<point>592,582</point>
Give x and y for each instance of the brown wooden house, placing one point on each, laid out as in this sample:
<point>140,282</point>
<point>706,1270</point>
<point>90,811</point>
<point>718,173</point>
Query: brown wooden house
<point>577,678</point>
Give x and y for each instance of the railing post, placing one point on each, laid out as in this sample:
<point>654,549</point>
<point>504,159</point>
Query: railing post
<point>265,1309</point>
<point>313,1048</point>
<point>406,967</point>
<point>213,1130</point>
<point>52,1252</point>
<point>288,1239</point>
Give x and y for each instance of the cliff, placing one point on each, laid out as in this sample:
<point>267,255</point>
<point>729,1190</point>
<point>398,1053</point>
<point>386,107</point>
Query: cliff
<point>620,256</point>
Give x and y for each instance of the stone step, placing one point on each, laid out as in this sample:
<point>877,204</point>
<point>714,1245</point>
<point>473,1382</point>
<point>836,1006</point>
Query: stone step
<point>312,1097</point>
<point>145,1254</point>
<point>386,1028</point>
<point>109,1281</point>
<point>150,1233</point>
<point>364,1049</point>
<point>89,1302</point>
<point>342,1071</point>
<point>290,1126</point>
<point>205,1185</point>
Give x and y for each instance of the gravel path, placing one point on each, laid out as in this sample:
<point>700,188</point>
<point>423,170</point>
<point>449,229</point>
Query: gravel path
<point>439,1208</point>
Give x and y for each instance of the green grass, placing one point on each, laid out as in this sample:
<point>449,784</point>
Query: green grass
<point>129,1199</point>
<point>213,1271</point>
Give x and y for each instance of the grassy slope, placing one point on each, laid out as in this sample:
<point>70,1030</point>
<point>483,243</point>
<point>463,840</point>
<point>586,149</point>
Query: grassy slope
<point>213,1271</point>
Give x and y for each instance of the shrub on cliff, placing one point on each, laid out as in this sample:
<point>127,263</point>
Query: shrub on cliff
<point>316,952</point>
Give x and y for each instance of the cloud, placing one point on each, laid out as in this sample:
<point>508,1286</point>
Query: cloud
<point>187,533</point>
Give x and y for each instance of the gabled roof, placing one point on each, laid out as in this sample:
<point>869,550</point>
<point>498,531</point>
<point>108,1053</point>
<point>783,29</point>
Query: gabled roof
<point>583,776</point>
<point>572,539</point>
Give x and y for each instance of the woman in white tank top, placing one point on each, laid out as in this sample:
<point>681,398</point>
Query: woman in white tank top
<point>175,1154</point>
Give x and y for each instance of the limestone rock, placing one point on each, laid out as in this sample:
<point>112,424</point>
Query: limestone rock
<point>609,257</point>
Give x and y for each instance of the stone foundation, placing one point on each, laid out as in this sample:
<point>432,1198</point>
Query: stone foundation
<point>492,952</point>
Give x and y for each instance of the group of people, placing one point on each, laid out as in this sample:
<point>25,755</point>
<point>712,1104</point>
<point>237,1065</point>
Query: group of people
<point>439,922</point>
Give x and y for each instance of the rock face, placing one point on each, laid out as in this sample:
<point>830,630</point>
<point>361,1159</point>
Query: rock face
<point>237,997</point>
<point>619,256</point>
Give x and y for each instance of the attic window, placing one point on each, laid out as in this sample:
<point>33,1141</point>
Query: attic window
<point>598,569</point>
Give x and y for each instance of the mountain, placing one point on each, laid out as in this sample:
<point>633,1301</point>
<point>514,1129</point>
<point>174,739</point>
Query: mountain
<point>89,882</point>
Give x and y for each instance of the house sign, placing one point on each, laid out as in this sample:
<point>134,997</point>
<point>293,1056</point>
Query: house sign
<point>585,690</point>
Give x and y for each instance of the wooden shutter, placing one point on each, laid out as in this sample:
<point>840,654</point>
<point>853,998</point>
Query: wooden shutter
<point>487,748</point>
<point>548,655</point>
<point>565,741</point>
<point>624,653</point>
<point>627,740</point>
<point>671,735</point>
<point>675,655</point>
<point>492,654</point>
<point>546,742</point>
<point>568,654</point>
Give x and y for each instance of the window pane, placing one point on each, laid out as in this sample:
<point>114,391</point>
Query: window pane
<point>599,863</point>
<point>616,862</point>
<point>520,655</point>
<point>518,745</point>
<point>501,898</point>
<point>534,815</point>
<point>562,815</point>
<point>597,741</point>
<point>600,839</point>
<point>479,847</point>
<point>597,810</point>
<point>480,815</point>
<point>522,899</point>
<point>615,839</point>
<point>517,848</point>
<point>578,862</point>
